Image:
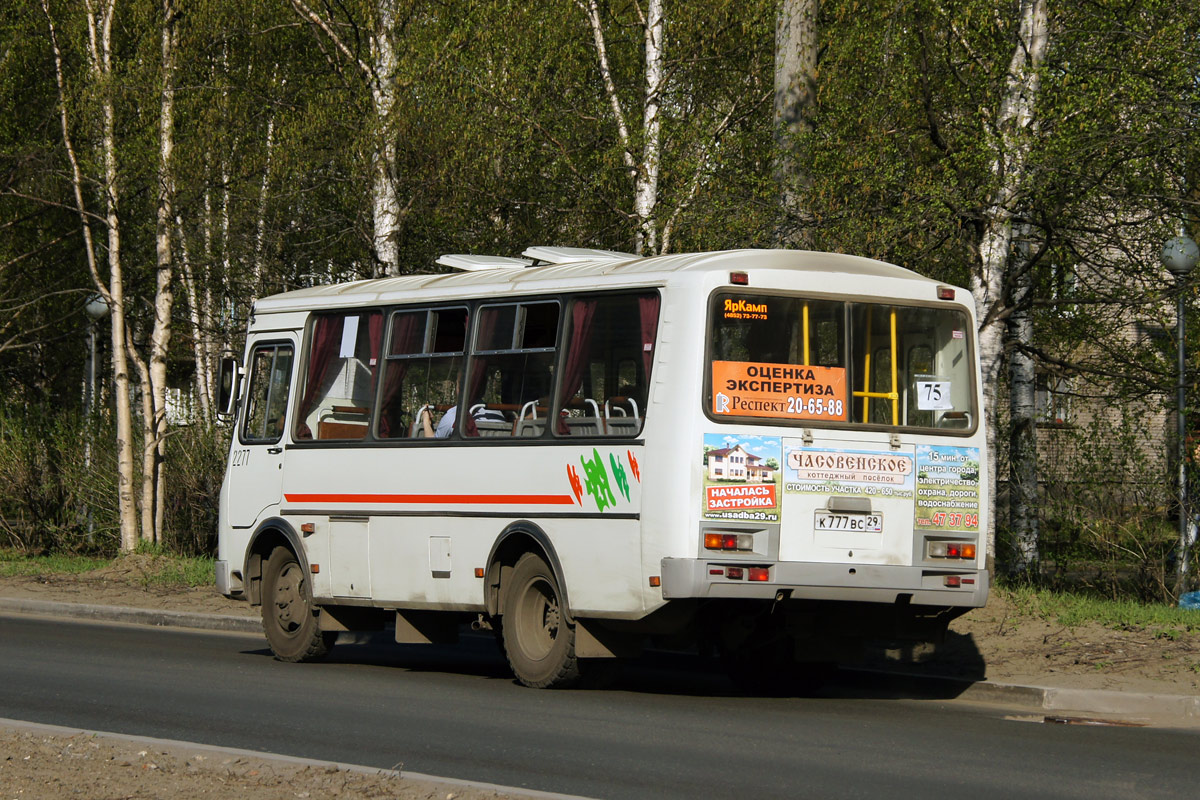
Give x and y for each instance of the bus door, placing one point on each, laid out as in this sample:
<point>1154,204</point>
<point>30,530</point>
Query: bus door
<point>256,461</point>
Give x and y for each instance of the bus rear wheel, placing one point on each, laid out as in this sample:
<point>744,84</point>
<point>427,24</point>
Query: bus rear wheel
<point>288,614</point>
<point>538,640</point>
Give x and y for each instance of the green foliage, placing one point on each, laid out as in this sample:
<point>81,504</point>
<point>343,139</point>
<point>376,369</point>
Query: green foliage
<point>193,488</point>
<point>151,566</point>
<point>1102,521</point>
<point>60,493</point>
<point>1074,608</point>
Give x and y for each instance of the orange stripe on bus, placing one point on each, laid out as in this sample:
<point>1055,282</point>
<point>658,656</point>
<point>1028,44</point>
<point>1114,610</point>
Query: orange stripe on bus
<point>452,499</point>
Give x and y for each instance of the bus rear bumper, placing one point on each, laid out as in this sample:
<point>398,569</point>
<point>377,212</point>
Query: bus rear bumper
<point>873,583</point>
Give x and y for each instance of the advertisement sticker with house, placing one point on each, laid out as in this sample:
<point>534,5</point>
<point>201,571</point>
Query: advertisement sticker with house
<point>741,477</point>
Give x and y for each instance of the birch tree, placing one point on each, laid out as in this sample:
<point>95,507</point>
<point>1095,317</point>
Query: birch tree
<point>406,44</point>
<point>998,262</point>
<point>155,415</point>
<point>99,18</point>
<point>652,228</point>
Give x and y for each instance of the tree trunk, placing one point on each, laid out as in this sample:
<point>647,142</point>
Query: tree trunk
<point>100,64</point>
<point>645,171</point>
<point>382,75</point>
<point>164,297</point>
<point>646,192</point>
<point>385,204</point>
<point>795,96</point>
<point>1022,451</point>
<point>260,222</point>
<point>1010,151</point>
<point>201,383</point>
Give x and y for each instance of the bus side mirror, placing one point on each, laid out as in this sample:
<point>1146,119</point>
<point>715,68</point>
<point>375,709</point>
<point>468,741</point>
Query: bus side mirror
<point>228,384</point>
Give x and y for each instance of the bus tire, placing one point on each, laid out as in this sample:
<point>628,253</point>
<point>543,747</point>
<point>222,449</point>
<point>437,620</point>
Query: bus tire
<point>538,641</point>
<point>288,614</point>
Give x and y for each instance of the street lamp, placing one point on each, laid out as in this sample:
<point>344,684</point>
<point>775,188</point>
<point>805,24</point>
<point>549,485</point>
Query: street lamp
<point>1179,255</point>
<point>96,308</point>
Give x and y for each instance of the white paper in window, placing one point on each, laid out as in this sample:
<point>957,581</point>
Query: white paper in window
<point>933,395</point>
<point>349,337</point>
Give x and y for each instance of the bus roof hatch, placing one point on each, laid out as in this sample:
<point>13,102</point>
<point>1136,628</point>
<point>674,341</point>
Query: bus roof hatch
<point>471,263</point>
<point>567,255</point>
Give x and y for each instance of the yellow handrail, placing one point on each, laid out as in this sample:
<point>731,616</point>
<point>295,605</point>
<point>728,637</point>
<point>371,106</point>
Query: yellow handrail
<point>895,394</point>
<point>806,333</point>
<point>866,394</point>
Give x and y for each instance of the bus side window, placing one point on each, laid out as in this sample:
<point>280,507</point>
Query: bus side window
<point>422,371</point>
<point>267,395</point>
<point>512,370</point>
<point>610,349</point>
<point>339,383</point>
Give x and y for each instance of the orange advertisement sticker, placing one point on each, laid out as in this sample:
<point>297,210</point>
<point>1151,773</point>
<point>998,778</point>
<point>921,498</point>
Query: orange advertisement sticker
<point>779,391</point>
<point>736,498</point>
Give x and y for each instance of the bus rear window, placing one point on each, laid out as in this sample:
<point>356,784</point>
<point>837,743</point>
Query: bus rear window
<point>811,360</point>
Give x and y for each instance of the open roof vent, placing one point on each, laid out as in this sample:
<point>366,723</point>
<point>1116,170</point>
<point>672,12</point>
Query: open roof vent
<point>470,263</point>
<point>567,255</point>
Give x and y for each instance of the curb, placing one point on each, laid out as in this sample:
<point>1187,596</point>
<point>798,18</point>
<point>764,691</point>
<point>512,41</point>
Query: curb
<point>1095,701</point>
<point>137,616</point>
<point>279,758</point>
<point>1182,708</point>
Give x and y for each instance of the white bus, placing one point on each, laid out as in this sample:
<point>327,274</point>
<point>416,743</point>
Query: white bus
<point>772,454</point>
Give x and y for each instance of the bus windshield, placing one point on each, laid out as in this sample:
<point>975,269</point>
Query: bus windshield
<point>785,357</point>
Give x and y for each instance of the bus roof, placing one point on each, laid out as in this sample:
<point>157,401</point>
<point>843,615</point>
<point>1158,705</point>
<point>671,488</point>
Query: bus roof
<point>574,274</point>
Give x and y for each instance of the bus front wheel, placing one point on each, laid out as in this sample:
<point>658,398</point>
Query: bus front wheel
<point>288,615</point>
<point>538,641</point>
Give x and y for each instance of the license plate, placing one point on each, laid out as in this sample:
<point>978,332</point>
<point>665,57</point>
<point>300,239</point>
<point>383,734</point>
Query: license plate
<point>858,523</point>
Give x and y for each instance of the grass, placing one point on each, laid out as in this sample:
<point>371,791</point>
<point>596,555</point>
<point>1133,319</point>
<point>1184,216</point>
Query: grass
<point>160,570</point>
<point>13,563</point>
<point>1072,609</point>
<point>181,571</point>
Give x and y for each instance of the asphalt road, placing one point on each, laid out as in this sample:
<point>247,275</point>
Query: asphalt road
<point>670,729</point>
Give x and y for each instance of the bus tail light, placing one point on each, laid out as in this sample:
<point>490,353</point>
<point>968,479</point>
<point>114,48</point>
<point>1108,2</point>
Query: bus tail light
<point>739,278</point>
<point>945,293</point>
<point>733,573</point>
<point>953,581</point>
<point>964,550</point>
<point>728,541</point>
<point>759,573</point>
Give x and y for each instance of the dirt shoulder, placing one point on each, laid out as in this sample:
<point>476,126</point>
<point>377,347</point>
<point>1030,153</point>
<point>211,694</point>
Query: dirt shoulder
<point>40,764</point>
<point>1000,643</point>
<point>1005,644</point>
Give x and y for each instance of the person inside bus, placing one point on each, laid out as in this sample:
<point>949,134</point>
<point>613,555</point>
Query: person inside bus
<point>445,425</point>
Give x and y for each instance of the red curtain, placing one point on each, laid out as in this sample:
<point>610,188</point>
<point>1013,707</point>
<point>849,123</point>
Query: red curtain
<point>326,339</point>
<point>407,331</point>
<point>648,312</point>
<point>583,312</point>
<point>375,334</point>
